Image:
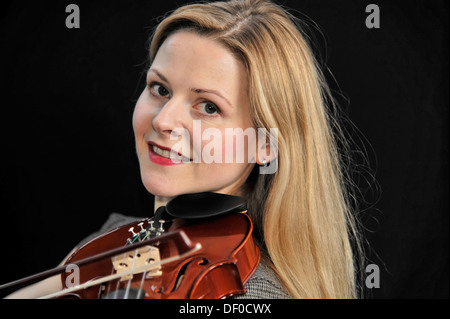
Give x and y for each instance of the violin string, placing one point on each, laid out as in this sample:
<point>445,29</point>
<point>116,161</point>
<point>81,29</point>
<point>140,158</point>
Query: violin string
<point>127,291</point>
<point>116,289</point>
<point>126,254</point>
<point>110,285</point>
<point>132,269</point>
<point>144,274</point>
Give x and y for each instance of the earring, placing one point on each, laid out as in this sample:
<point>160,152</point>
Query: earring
<point>264,163</point>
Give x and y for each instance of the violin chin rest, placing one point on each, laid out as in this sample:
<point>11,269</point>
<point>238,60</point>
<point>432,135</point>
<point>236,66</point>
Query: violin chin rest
<point>203,205</point>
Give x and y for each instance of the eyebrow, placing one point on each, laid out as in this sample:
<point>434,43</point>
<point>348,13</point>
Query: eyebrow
<point>162,77</point>
<point>195,90</point>
<point>199,91</point>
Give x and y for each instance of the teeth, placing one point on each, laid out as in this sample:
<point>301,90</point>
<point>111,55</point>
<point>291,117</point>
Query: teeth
<point>168,154</point>
<point>175,157</point>
<point>165,154</point>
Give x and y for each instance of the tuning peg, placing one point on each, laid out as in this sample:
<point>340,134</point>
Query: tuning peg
<point>131,230</point>
<point>142,228</point>
<point>161,223</point>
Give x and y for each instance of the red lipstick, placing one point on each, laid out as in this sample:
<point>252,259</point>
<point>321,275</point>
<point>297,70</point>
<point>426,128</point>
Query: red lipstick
<point>161,155</point>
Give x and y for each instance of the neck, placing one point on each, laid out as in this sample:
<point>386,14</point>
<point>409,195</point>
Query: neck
<point>161,201</point>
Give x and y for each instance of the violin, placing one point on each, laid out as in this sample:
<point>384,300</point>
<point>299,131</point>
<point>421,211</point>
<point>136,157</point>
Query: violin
<point>199,246</point>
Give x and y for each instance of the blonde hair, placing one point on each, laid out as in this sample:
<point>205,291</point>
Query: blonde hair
<point>301,212</point>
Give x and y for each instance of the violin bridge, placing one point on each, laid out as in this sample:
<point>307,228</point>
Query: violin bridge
<point>138,259</point>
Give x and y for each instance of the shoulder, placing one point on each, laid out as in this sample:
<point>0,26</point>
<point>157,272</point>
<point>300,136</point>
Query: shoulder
<point>264,284</point>
<point>114,220</point>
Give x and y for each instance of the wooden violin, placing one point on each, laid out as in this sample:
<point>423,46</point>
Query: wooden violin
<point>198,246</point>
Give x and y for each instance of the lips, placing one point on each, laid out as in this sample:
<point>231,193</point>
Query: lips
<point>165,156</point>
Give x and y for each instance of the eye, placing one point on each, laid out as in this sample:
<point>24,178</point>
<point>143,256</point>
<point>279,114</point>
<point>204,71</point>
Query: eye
<point>159,89</point>
<point>210,108</point>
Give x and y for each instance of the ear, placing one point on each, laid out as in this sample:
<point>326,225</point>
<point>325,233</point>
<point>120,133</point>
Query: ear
<point>267,148</point>
<point>267,153</point>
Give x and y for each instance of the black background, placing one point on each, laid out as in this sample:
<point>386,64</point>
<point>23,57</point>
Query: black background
<point>67,147</point>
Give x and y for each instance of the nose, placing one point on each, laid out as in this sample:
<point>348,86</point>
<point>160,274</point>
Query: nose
<point>170,119</point>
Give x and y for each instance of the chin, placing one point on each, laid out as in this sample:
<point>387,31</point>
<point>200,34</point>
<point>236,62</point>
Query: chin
<point>160,190</point>
<point>163,188</point>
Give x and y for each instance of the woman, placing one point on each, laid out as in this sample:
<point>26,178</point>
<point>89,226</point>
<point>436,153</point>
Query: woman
<point>245,64</point>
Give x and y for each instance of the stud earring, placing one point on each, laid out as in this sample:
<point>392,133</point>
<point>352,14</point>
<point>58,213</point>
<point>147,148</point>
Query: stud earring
<point>264,163</point>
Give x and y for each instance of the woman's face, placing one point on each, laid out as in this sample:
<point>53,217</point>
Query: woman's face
<point>195,98</point>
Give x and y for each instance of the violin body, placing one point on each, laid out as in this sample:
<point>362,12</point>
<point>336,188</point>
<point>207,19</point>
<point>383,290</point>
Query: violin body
<point>219,269</point>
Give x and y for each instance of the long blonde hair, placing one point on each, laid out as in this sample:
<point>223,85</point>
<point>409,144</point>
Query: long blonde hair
<point>302,215</point>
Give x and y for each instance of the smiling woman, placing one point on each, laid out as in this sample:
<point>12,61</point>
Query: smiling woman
<point>254,53</point>
<point>245,65</point>
<point>183,84</point>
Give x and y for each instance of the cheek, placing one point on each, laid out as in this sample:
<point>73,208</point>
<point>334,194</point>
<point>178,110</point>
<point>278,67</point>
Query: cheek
<point>231,149</point>
<point>142,117</point>
<point>240,146</point>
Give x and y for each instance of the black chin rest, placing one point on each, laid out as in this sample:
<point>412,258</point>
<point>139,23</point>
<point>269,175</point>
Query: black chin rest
<point>201,205</point>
